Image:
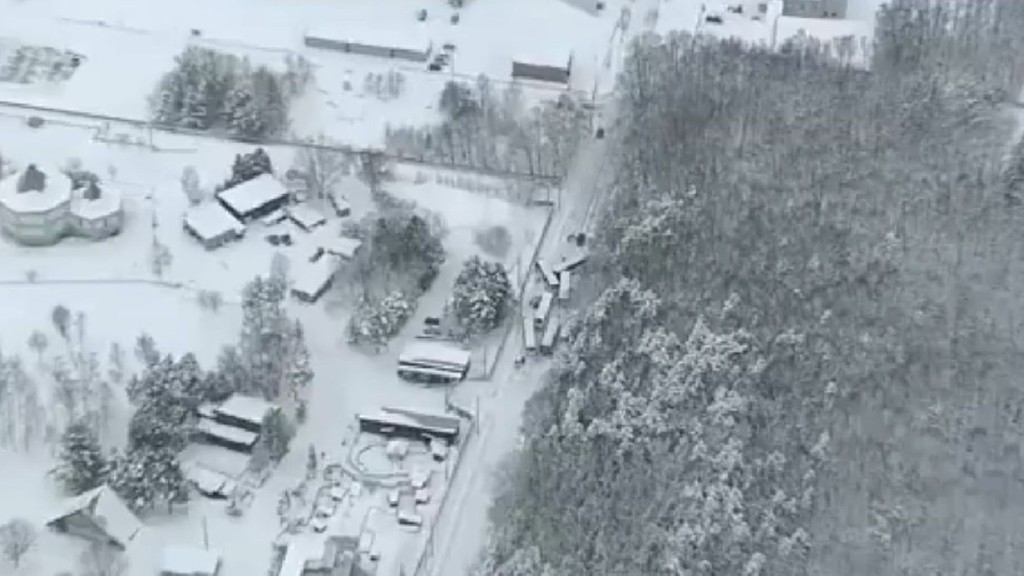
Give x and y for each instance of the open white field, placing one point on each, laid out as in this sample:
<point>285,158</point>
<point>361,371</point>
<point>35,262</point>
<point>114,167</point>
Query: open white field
<point>131,45</point>
<point>113,285</point>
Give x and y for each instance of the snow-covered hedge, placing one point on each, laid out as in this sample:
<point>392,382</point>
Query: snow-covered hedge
<point>376,321</point>
<point>481,295</point>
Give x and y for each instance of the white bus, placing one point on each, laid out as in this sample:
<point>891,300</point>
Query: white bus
<point>564,281</point>
<point>433,362</point>
<point>545,271</point>
<point>540,315</point>
<point>547,342</point>
<point>529,335</point>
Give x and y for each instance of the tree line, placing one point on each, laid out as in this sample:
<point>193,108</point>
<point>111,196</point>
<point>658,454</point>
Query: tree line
<point>800,353</point>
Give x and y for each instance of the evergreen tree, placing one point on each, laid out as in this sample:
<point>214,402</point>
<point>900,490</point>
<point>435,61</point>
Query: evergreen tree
<point>265,334</point>
<point>277,433</point>
<point>299,374</point>
<point>481,295</point>
<point>82,463</point>
<point>130,480</point>
<point>243,114</point>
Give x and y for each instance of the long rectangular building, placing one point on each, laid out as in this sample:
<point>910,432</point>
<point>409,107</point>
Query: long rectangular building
<point>412,44</point>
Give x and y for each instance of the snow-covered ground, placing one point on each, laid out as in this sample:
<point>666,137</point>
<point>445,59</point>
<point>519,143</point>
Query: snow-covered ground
<point>113,285</point>
<point>132,45</point>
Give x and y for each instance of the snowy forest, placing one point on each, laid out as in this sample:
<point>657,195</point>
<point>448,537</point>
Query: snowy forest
<point>484,127</point>
<point>800,352</point>
<point>208,89</point>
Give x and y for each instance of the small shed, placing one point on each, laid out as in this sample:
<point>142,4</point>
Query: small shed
<point>208,482</point>
<point>342,247</point>
<point>342,207</point>
<point>212,225</point>
<point>188,561</point>
<point>98,515</point>
<point>306,217</point>
<point>254,198</point>
<point>228,436</point>
<point>543,67</point>
<point>245,412</point>
<point>313,279</point>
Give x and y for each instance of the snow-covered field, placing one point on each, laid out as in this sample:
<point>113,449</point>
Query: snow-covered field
<point>133,44</point>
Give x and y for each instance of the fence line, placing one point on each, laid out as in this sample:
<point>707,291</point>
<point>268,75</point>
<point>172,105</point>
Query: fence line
<point>423,564</point>
<point>282,142</point>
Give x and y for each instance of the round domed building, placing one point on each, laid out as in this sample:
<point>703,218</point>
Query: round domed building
<point>40,207</point>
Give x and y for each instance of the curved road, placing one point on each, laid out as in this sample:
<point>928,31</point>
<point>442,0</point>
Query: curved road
<point>462,526</point>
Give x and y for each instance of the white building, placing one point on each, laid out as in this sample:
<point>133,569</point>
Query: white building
<point>212,225</point>
<point>553,65</point>
<point>39,207</point>
<point>97,515</point>
<point>342,246</point>
<point>254,198</point>
<point>314,278</point>
<point>306,217</point>
<point>411,43</point>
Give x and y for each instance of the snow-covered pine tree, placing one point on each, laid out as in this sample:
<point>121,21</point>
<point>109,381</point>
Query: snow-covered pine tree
<point>82,463</point>
<point>244,118</point>
<point>481,295</point>
<point>269,97</point>
<point>165,475</point>
<point>300,373</point>
<point>195,114</point>
<point>130,480</point>
<point>277,434</point>
<point>232,375</point>
<point>265,334</point>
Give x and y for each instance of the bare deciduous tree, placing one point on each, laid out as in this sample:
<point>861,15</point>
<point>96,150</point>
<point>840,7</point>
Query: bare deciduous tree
<point>17,537</point>
<point>321,166</point>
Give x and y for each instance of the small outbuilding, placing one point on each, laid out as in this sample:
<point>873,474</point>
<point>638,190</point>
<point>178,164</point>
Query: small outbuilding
<point>188,561</point>
<point>342,247</point>
<point>543,67</point>
<point>228,436</point>
<point>313,279</point>
<point>212,225</point>
<point>254,198</point>
<point>245,412</point>
<point>412,424</point>
<point>98,515</point>
<point>306,217</point>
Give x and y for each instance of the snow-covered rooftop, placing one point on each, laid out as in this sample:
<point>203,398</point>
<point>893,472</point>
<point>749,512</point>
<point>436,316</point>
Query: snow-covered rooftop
<point>434,352</point>
<point>56,192</point>
<point>187,561</point>
<point>108,510</point>
<point>312,277</point>
<point>342,246</point>
<point>544,55</point>
<point>306,216</point>
<point>415,37</point>
<point>225,432</point>
<point>248,408</point>
<point>206,480</point>
<point>211,220</point>
<point>108,204</point>
<point>253,194</point>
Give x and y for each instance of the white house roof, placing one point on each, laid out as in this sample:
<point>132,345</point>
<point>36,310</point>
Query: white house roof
<point>434,352</point>
<point>56,192</point>
<point>225,432</point>
<point>108,204</point>
<point>187,561</point>
<point>312,277</point>
<point>206,480</point>
<point>211,221</point>
<point>544,55</point>
<point>253,194</point>
<point>342,246</point>
<point>306,216</point>
<point>248,408</point>
<point>108,511</point>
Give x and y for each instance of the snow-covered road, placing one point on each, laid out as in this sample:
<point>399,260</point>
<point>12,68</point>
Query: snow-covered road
<point>462,526</point>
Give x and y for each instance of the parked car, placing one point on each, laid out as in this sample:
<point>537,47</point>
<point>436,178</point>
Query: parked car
<point>434,67</point>
<point>713,18</point>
